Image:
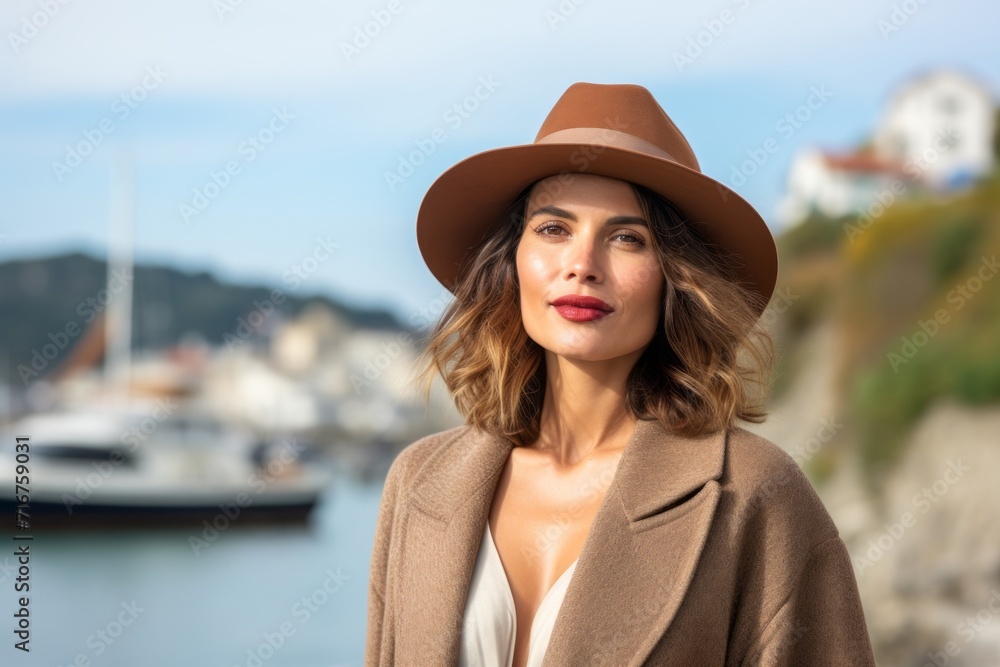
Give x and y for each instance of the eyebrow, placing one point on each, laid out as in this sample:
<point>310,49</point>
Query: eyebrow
<point>613,220</point>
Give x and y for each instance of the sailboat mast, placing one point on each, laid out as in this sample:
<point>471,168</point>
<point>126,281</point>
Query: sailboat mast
<point>118,332</point>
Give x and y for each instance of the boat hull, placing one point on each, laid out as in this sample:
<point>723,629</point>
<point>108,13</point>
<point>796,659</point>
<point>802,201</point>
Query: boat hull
<point>47,515</point>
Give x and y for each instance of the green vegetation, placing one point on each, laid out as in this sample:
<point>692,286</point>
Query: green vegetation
<point>952,245</point>
<point>915,297</point>
<point>814,235</point>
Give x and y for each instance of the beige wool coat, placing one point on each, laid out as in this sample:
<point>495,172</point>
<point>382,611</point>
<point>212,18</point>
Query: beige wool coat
<point>703,552</point>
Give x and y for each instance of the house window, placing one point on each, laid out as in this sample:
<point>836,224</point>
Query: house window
<point>949,105</point>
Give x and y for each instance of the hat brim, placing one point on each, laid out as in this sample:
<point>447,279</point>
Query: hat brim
<point>468,198</point>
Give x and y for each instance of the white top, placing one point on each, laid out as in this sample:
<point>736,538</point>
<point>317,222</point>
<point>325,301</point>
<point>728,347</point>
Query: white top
<point>489,628</point>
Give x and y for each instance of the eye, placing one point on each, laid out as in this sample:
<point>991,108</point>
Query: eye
<point>548,225</point>
<point>632,239</point>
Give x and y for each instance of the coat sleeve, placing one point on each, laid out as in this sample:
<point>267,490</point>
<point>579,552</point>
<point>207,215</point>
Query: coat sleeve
<point>377,579</point>
<point>821,622</point>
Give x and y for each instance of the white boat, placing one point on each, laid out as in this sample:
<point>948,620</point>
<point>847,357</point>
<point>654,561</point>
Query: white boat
<point>87,468</point>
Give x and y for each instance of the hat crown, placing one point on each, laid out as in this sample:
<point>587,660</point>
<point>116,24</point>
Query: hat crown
<point>616,115</point>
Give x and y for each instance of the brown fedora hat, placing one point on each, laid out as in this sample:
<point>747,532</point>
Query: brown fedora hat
<point>615,130</point>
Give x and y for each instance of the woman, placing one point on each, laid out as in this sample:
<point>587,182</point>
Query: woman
<point>601,506</point>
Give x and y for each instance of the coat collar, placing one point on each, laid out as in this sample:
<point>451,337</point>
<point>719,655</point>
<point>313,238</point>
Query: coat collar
<point>656,469</point>
<point>648,534</point>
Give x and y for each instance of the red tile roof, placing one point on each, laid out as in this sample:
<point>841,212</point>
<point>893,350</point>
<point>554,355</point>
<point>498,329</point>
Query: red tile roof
<point>864,161</point>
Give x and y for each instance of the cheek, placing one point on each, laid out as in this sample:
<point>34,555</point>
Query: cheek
<point>644,285</point>
<point>532,267</point>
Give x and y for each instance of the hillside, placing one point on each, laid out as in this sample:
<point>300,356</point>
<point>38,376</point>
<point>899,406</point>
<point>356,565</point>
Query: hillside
<point>41,297</point>
<point>914,310</point>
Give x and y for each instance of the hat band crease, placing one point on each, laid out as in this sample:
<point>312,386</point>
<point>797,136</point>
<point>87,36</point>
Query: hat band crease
<point>604,136</point>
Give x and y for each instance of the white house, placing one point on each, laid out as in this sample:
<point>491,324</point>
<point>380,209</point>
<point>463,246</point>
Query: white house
<point>941,124</point>
<point>936,133</point>
<point>835,185</point>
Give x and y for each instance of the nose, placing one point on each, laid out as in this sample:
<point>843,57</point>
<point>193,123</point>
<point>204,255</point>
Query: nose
<point>582,261</point>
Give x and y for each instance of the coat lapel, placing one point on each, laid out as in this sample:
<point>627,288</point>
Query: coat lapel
<point>640,555</point>
<point>634,569</point>
<point>449,507</point>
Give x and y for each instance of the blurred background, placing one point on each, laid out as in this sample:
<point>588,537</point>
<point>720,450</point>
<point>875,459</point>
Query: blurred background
<point>212,298</point>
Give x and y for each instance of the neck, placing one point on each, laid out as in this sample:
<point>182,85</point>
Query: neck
<point>583,410</point>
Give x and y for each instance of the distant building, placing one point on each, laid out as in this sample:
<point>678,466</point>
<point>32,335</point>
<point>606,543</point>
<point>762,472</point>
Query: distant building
<point>942,122</point>
<point>835,185</point>
<point>936,133</point>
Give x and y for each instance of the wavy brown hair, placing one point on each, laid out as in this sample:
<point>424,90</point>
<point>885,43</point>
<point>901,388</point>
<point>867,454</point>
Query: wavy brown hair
<point>707,365</point>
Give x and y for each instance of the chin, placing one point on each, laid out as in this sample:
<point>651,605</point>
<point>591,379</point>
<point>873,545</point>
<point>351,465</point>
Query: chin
<point>581,352</point>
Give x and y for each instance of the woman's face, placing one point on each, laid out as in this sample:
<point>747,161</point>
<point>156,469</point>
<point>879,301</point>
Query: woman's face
<point>586,235</point>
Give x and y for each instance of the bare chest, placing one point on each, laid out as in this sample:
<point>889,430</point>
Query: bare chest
<point>540,518</point>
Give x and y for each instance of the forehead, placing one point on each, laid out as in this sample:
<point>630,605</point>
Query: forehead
<point>584,190</point>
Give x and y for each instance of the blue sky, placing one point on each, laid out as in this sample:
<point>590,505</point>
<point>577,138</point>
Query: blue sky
<point>224,69</point>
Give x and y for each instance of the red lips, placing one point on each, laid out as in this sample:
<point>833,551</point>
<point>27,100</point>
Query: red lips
<point>581,308</point>
<point>582,301</point>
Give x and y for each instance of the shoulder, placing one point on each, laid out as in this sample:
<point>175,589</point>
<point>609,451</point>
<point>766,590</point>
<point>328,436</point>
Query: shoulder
<point>794,570</point>
<point>766,484</point>
<point>411,459</point>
